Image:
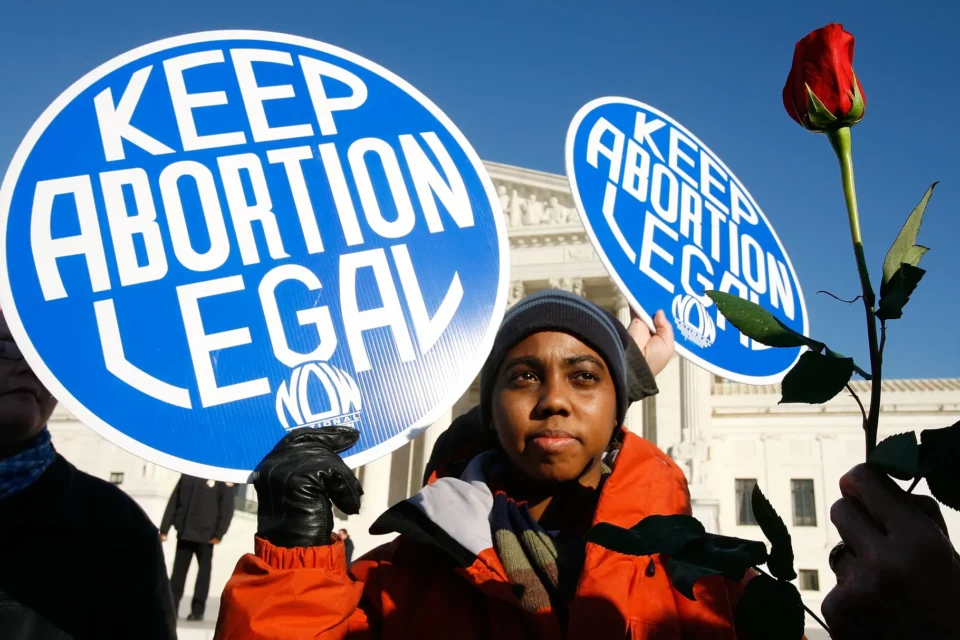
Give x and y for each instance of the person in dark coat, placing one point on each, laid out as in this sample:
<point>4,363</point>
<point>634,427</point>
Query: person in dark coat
<point>79,559</point>
<point>201,511</point>
<point>347,545</point>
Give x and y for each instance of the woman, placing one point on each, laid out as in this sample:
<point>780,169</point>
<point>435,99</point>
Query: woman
<point>494,551</point>
<point>78,557</point>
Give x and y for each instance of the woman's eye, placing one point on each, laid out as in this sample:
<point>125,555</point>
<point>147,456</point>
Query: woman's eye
<point>586,376</point>
<point>525,376</point>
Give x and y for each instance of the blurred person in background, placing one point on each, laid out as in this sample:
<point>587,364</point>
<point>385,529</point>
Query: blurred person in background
<point>347,545</point>
<point>201,511</point>
<point>78,557</point>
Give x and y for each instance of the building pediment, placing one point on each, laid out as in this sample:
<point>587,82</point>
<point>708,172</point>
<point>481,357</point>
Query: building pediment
<point>537,206</point>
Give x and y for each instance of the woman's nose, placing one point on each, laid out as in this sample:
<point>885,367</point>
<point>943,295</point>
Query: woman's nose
<point>554,398</point>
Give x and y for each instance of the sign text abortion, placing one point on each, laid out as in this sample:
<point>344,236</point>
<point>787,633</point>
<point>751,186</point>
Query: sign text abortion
<point>249,227</point>
<point>671,221</point>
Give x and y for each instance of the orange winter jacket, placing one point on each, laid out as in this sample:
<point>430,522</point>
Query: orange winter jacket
<point>441,577</point>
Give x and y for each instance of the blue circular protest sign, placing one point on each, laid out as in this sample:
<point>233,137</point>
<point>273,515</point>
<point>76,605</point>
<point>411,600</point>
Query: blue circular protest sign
<point>219,237</point>
<point>670,221</point>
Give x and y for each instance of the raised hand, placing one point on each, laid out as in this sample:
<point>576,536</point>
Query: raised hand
<point>296,482</point>
<point>657,347</point>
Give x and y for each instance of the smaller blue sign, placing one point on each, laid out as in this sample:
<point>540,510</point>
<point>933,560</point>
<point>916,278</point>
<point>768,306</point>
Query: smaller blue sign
<point>670,221</point>
<point>217,238</point>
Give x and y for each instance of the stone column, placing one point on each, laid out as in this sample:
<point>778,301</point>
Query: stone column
<point>694,416</point>
<point>691,452</point>
<point>690,392</point>
<point>376,488</point>
<point>518,289</point>
<point>623,309</point>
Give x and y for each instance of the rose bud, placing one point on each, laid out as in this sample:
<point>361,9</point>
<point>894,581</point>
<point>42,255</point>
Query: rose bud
<point>822,92</point>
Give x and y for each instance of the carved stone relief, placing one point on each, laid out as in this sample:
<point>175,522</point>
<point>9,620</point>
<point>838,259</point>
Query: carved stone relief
<point>517,290</point>
<point>525,206</point>
<point>573,285</point>
<point>582,253</point>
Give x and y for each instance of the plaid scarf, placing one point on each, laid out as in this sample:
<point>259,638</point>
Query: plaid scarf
<point>21,470</point>
<point>545,567</point>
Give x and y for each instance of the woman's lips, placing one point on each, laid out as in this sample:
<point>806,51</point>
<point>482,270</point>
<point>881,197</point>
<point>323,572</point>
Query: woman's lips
<point>551,440</point>
<point>21,390</point>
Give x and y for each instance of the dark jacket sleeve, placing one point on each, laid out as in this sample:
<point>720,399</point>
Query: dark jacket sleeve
<point>641,382</point>
<point>171,509</point>
<point>224,511</point>
<point>144,604</point>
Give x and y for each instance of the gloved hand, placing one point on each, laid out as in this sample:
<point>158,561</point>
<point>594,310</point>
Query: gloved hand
<point>296,482</point>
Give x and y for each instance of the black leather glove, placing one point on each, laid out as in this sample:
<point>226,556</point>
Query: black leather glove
<point>296,482</point>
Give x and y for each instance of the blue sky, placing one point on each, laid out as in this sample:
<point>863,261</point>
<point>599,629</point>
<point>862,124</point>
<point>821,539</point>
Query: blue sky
<point>512,75</point>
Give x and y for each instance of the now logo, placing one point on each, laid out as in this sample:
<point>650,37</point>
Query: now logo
<point>317,381</point>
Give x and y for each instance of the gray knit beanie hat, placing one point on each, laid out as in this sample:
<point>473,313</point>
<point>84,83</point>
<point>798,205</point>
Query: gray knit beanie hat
<point>557,310</point>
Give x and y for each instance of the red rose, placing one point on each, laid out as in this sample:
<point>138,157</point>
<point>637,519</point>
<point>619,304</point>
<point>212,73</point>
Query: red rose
<point>822,92</point>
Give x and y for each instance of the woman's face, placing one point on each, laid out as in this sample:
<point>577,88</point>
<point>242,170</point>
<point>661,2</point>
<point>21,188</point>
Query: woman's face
<point>554,407</point>
<point>25,405</point>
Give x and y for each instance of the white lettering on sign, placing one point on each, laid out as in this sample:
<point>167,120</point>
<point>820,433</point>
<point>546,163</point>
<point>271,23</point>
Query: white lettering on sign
<point>703,284</point>
<point>88,243</point>
<point>754,268</point>
<point>292,161</point>
<point>341,194</point>
<point>388,315</point>
<point>319,317</point>
<point>341,391</point>
<point>699,226</point>
<point>202,210</point>
<point>448,188</point>
<point>678,155</point>
<point>636,176</point>
<point>740,208</point>
<point>117,363</point>
<point>171,180</point>
<point>691,214</point>
<point>203,345</point>
<point>649,247</point>
<point>609,203</point>
<point>114,120</point>
<point>670,192</point>
<point>244,213</point>
<point>314,71</point>
<point>185,102</point>
<point>255,95</point>
<point>123,226</point>
<point>612,152</point>
<point>781,291</point>
<point>643,132</point>
<point>428,329</point>
<point>709,185</point>
<point>387,160</point>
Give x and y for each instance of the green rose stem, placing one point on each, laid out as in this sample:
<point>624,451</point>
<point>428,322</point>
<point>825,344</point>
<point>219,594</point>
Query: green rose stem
<point>841,142</point>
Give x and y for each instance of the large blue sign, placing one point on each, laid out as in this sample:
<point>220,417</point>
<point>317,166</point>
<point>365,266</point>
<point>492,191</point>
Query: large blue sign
<point>219,237</point>
<point>671,221</point>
